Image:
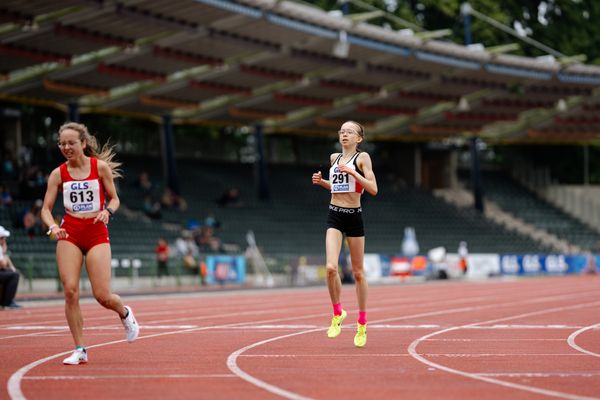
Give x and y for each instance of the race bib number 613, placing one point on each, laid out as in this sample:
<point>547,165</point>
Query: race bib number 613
<point>82,196</point>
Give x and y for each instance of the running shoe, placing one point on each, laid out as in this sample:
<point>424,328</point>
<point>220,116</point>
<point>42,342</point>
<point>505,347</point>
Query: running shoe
<point>79,356</point>
<point>132,329</point>
<point>14,305</point>
<point>336,325</point>
<point>360,339</point>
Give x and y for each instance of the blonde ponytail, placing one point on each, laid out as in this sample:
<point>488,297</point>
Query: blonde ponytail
<point>105,153</point>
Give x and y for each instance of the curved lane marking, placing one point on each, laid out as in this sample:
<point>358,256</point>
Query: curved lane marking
<point>14,382</point>
<point>232,359</point>
<point>412,350</point>
<point>232,365</point>
<point>572,336</point>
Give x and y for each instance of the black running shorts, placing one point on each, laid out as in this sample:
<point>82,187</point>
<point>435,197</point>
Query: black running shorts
<point>346,220</point>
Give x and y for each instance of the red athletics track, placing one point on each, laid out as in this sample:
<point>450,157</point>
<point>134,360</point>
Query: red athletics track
<point>533,338</point>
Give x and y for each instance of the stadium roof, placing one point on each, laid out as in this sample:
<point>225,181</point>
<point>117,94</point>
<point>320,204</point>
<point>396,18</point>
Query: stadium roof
<point>291,67</point>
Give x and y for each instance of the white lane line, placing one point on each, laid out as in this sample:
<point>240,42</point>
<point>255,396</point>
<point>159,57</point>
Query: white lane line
<point>590,374</point>
<point>14,382</point>
<point>111,377</point>
<point>481,355</point>
<point>371,326</point>
<point>175,297</point>
<point>520,326</point>
<point>232,359</point>
<point>412,350</point>
<point>232,365</point>
<point>572,336</point>
<point>446,355</point>
<point>170,312</point>
<point>495,340</point>
<point>46,333</point>
<point>105,327</point>
<point>319,355</point>
<point>252,327</point>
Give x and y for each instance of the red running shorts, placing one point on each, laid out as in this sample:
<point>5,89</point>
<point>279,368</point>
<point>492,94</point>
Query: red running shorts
<point>84,233</point>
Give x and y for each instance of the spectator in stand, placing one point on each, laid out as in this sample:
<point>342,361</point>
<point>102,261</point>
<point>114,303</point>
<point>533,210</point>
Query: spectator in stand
<point>191,224</point>
<point>34,183</point>
<point>145,184</point>
<point>212,221</point>
<point>162,257</point>
<point>26,155</point>
<point>172,200</point>
<point>152,208</point>
<point>215,245</point>
<point>6,199</point>
<point>9,166</point>
<point>463,253</point>
<point>9,277</point>
<point>179,202</point>
<point>185,244</point>
<point>206,240</point>
<point>166,200</point>
<point>230,198</point>
<point>187,250</point>
<point>32,221</point>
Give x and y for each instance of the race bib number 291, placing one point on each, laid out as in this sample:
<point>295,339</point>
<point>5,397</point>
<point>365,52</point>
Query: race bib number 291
<point>82,196</point>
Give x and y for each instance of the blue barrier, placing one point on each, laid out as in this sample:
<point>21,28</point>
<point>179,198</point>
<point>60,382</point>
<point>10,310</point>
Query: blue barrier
<point>225,269</point>
<point>535,264</point>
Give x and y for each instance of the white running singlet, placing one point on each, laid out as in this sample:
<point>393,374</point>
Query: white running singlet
<point>343,182</point>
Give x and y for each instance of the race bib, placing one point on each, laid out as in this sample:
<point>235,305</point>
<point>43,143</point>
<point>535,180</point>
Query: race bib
<point>82,196</point>
<point>340,182</point>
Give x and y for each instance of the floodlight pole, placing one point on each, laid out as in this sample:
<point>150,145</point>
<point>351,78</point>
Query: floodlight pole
<point>260,164</point>
<point>476,175</point>
<point>465,10</point>
<point>168,154</point>
<point>73,112</point>
<point>344,6</point>
<point>586,165</point>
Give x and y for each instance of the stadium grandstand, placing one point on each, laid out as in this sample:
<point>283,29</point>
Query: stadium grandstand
<point>208,95</point>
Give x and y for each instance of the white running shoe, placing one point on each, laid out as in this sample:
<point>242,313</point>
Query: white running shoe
<point>131,326</point>
<point>79,356</point>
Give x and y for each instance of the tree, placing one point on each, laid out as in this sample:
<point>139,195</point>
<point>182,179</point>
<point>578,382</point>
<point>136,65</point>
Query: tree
<point>568,26</point>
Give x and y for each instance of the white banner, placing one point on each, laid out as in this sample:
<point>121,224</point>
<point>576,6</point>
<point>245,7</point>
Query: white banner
<point>483,265</point>
<point>372,267</point>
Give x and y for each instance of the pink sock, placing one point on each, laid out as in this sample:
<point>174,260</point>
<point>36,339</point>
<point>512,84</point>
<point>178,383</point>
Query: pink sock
<point>362,317</point>
<point>337,309</point>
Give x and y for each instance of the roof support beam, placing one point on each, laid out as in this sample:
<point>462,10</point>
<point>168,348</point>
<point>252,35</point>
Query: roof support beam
<point>533,120</point>
<point>504,48</point>
<point>429,35</point>
<point>34,72</point>
<point>366,16</point>
<point>425,114</point>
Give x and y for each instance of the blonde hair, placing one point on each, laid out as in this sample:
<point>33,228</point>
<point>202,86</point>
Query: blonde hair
<point>105,153</point>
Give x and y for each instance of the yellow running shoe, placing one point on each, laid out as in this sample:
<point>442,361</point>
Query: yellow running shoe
<point>336,325</point>
<point>360,339</point>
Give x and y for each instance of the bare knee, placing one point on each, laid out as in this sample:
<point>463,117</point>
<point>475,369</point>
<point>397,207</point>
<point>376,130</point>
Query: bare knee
<point>332,269</point>
<point>359,275</point>
<point>104,298</point>
<point>71,294</point>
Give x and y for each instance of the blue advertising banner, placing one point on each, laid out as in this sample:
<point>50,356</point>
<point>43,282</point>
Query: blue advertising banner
<point>550,264</point>
<point>225,269</point>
